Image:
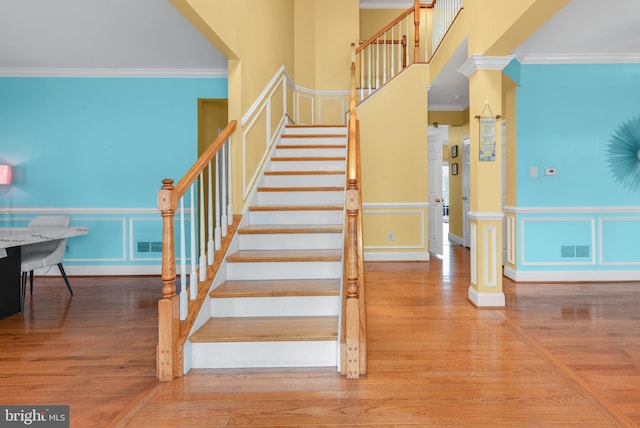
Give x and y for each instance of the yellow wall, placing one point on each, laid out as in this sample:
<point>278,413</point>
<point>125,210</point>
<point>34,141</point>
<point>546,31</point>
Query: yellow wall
<point>324,31</point>
<point>511,22</point>
<point>372,20</point>
<point>393,126</point>
<point>257,33</point>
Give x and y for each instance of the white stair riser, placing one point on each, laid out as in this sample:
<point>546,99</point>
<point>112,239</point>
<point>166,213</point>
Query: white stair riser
<point>283,270</point>
<point>296,217</point>
<point>304,130</point>
<point>290,241</point>
<point>301,198</point>
<point>314,152</point>
<point>276,306</point>
<point>316,165</point>
<point>321,180</point>
<point>264,354</point>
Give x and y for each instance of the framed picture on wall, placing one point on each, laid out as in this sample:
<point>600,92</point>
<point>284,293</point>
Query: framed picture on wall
<point>454,169</point>
<point>454,151</point>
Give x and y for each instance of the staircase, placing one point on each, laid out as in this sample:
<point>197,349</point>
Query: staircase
<point>280,303</point>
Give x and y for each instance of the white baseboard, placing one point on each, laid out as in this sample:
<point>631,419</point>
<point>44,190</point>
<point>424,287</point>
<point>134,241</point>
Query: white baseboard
<point>572,276</point>
<point>486,300</point>
<point>396,257</point>
<point>455,239</point>
<point>101,270</point>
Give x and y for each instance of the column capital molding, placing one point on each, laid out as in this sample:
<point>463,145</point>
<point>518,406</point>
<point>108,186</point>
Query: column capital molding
<point>484,215</point>
<point>481,62</point>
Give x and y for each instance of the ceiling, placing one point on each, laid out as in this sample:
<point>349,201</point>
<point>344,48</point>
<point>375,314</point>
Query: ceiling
<point>150,37</point>
<point>95,36</point>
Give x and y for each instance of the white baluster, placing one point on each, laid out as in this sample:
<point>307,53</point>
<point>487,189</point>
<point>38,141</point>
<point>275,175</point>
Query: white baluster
<point>218,237</point>
<point>393,55</point>
<point>223,173</point>
<point>193,277</point>
<point>369,66</point>
<point>184,306</point>
<point>377,63</point>
<point>410,42</point>
<point>203,256</point>
<point>400,54</point>
<point>210,243</point>
<point>361,75</point>
<point>229,189</point>
<point>384,57</point>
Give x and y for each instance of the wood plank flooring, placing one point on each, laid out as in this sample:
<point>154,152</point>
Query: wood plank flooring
<point>559,355</point>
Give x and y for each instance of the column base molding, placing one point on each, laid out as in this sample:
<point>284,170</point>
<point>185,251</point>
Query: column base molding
<point>486,300</point>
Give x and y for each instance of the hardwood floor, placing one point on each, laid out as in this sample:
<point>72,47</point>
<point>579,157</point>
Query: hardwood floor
<point>559,355</point>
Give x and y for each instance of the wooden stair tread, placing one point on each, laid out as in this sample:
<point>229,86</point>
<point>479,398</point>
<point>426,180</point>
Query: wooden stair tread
<point>314,136</point>
<point>267,329</point>
<point>304,172</point>
<point>277,288</point>
<point>316,126</point>
<point>246,256</point>
<point>307,158</point>
<point>302,189</point>
<point>311,146</point>
<point>296,208</point>
<point>290,228</point>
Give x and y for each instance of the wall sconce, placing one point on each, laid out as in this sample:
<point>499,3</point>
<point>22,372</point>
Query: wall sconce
<point>5,174</point>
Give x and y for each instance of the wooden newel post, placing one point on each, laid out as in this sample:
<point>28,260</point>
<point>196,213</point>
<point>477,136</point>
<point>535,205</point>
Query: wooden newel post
<point>353,286</point>
<point>168,358</point>
<point>167,204</point>
<point>416,23</point>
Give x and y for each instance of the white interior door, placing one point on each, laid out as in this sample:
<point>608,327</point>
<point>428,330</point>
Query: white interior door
<point>435,192</point>
<point>466,190</point>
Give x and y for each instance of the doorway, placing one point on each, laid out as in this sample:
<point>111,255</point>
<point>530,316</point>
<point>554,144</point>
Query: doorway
<point>445,204</point>
<point>212,116</point>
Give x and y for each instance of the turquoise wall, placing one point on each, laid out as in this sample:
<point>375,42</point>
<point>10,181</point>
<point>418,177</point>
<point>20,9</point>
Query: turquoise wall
<point>581,218</point>
<point>98,149</point>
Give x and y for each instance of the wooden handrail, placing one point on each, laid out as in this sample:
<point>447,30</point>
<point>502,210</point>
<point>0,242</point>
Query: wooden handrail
<point>172,332</point>
<point>416,7</point>
<point>204,159</point>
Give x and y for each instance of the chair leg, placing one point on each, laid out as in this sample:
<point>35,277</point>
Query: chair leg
<point>30,282</point>
<point>64,275</point>
<point>23,290</point>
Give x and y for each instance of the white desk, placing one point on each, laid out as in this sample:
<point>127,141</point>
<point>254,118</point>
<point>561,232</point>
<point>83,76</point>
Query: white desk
<point>11,239</point>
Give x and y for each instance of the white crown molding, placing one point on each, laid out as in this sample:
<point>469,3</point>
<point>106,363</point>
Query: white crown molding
<point>112,72</point>
<point>614,58</point>
<point>447,107</point>
<point>364,4</point>
<point>480,62</point>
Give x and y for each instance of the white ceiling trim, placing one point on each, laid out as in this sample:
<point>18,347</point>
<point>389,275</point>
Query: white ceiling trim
<point>385,4</point>
<point>112,72</point>
<point>480,62</point>
<point>446,107</point>
<point>612,58</point>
